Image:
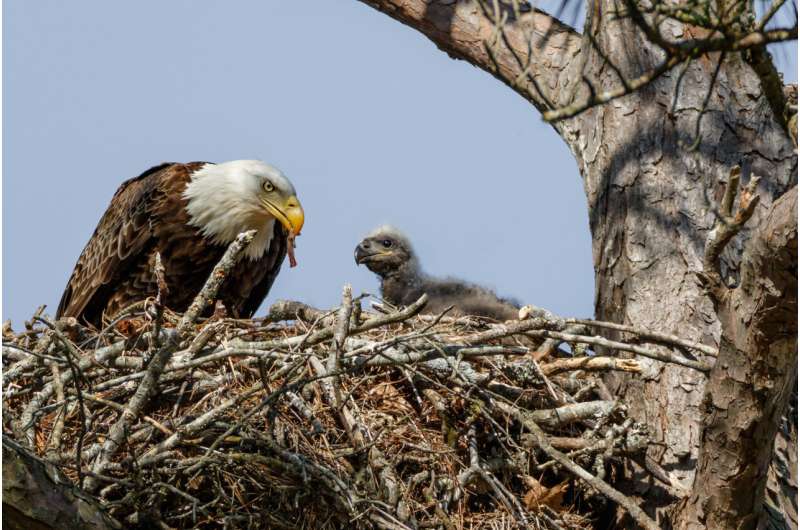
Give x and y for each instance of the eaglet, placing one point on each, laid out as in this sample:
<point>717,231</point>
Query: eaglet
<point>388,253</point>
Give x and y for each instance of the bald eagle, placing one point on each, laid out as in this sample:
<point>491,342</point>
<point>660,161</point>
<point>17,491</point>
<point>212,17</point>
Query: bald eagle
<point>388,253</point>
<point>188,213</point>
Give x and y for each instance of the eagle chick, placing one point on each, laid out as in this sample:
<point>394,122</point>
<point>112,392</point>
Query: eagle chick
<point>388,253</point>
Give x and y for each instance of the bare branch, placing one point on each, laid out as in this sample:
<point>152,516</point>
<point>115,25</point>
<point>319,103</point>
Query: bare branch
<point>597,363</point>
<point>532,50</point>
<point>727,226</point>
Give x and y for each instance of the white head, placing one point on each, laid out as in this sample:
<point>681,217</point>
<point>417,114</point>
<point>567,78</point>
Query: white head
<point>226,199</point>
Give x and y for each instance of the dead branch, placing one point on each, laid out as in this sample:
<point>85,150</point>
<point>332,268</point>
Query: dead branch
<point>728,225</point>
<point>591,364</point>
<point>571,413</point>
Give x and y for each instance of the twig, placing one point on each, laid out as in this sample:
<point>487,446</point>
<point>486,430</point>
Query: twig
<point>640,350</point>
<point>300,405</point>
<point>72,356</point>
<point>208,293</point>
<point>698,136</point>
<point>646,334</point>
<point>571,413</point>
<point>55,435</point>
<point>163,291</point>
<point>342,327</point>
<point>590,364</point>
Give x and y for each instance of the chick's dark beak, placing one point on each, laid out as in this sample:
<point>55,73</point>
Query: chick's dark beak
<point>363,251</point>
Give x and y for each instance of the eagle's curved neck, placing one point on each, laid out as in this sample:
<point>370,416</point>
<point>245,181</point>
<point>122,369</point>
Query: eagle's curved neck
<point>402,283</point>
<point>219,205</point>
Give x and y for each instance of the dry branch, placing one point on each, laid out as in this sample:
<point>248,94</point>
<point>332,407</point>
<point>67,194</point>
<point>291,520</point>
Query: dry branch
<point>729,222</point>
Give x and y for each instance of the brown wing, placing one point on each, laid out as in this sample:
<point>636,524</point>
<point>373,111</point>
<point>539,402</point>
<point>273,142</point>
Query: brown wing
<point>123,234</point>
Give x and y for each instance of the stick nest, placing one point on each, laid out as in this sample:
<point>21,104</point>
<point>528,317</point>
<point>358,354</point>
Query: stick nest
<point>315,419</point>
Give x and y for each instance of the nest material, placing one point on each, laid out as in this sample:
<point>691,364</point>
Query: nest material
<point>270,424</point>
<point>339,419</point>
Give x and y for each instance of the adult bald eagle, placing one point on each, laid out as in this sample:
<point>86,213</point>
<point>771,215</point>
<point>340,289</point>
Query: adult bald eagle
<point>388,253</point>
<point>188,213</point>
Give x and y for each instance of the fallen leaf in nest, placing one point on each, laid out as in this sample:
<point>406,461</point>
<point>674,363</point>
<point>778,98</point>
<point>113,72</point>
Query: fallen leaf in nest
<point>131,327</point>
<point>539,495</point>
<point>384,390</point>
<point>388,395</point>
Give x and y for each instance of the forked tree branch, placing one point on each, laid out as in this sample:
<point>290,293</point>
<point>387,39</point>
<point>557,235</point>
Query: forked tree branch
<point>728,224</point>
<point>542,59</point>
<point>531,52</point>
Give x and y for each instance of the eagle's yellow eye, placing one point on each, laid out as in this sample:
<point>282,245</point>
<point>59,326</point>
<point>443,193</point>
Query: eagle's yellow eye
<point>268,187</point>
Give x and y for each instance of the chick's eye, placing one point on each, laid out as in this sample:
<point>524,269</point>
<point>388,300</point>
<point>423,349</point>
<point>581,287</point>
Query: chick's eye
<point>387,243</point>
<point>268,186</point>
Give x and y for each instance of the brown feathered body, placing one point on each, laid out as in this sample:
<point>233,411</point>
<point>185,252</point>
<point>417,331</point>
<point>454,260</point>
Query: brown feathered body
<point>388,253</point>
<point>148,215</point>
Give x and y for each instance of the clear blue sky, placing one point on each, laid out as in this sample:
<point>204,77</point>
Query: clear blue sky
<point>370,121</point>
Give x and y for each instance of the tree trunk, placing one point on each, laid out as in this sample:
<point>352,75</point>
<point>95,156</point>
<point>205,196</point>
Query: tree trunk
<point>652,202</point>
<point>37,497</point>
<point>748,388</point>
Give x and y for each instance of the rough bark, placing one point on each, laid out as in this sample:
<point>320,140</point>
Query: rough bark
<point>37,497</point>
<point>780,500</point>
<point>752,380</point>
<point>651,198</point>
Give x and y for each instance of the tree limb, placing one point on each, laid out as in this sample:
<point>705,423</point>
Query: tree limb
<point>728,225</point>
<point>752,381</point>
<point>530,52</point>
<point>27,481</point>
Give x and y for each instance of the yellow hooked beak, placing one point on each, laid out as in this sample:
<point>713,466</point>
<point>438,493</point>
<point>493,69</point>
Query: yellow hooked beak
<point>290,214</point>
